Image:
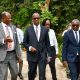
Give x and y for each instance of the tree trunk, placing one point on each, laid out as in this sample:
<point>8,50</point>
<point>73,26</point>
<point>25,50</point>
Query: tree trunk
<point>45,6</point>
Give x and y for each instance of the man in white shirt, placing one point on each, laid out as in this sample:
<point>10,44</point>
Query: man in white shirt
<point>20,36</point>
<point>53,46</point>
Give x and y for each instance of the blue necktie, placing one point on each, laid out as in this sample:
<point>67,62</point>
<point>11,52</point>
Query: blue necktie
<point>76,37</point>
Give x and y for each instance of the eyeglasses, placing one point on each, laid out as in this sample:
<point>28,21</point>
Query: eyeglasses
<point>36,18</point>
<point>77,25</point>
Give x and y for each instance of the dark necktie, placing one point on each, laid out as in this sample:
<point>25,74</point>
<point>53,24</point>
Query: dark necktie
<point>76,36</point>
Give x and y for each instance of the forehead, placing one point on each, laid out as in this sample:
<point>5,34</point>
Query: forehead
<point>47,21</point>
<point>75,22</point>
<point>7,16</point>
<point>36,15</point>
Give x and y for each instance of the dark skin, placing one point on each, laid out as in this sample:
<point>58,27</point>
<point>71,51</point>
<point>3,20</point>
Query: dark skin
<point>7,20</point>
<point>75,26</point>
<point>35,21</point>
<point>47,24</point>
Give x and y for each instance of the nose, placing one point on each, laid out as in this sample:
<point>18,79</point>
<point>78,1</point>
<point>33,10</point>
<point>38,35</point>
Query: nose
<point>10,19</point>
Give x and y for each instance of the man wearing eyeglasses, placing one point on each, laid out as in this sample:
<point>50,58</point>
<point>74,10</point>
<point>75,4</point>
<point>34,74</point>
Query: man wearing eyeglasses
<point>36,41</point>
<point>71,49</point>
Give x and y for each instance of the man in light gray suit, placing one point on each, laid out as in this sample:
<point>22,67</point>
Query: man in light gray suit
<point>9,48</point>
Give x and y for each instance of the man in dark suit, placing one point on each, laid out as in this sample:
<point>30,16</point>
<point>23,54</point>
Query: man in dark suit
<point>36,41</point>
<point>9,47</point>
<point>71,49</point>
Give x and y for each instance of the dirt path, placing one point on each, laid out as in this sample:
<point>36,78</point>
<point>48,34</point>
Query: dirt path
<point>61,73</point>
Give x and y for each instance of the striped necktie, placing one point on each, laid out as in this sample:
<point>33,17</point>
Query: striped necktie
<point>37,32</point>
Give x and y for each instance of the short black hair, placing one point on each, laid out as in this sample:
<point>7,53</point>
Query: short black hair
<point>43,23</point>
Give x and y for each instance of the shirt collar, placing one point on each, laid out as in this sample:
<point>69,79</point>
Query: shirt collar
<point>3,24</point>
<point>37,26</point>
<point>75,31</point>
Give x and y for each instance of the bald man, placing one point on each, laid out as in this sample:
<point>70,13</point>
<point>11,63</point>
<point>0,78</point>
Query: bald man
<point>36,41</point>
<point>9,47</point>
<point>71,49</point>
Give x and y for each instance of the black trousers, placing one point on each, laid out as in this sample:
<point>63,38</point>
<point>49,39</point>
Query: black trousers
<point>53,69</point>
<point>52,63</point>
<point>33,69</point>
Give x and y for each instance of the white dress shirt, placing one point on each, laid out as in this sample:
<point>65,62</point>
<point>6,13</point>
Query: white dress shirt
<point>11,35</point>
<point>39,30</point>
<point>20,35</point>
<point>53,40</point>
<point>75,34</point>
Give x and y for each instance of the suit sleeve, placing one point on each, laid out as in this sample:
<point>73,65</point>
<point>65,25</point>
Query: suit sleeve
<point>18,52</point>
<point>1,41</point>
<point>65,47</point>
<point>25,40</point>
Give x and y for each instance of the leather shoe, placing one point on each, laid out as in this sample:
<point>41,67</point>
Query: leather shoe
<point>20,76</point>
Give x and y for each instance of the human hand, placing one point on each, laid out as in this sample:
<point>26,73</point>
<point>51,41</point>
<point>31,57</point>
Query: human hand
<point>33,49</point>
<point>19,59</point>
<point>8,39</point>
<point>65,64</point>
<point>49,59</point>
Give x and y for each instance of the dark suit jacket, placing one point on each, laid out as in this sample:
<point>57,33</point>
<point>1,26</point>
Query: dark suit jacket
<point>30,39</point>
<point>70,47</point>
<point>3,46</point>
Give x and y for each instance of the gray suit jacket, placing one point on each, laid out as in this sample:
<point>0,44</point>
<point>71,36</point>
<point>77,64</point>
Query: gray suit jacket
<point>3,46</point>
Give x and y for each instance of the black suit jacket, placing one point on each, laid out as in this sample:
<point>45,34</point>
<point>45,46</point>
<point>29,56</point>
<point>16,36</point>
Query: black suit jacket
<point>42,45</point>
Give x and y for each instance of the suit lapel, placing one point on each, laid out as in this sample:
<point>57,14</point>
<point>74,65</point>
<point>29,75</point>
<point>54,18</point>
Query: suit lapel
<point>13,31</point>
<point>33,32</point>
<point>2,30</point>
<point>40,32</point>
<point>72,36</point>
<point>79,36</point>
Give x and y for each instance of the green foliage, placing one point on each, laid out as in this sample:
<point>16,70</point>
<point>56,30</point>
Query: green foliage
<point>36,6</point>
<point>65,10</point>
<point>21,16</point>
<point>61,12</point>
<point>59,39</point>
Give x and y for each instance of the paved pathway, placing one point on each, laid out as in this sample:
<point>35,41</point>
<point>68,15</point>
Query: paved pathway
<point>61,73</point>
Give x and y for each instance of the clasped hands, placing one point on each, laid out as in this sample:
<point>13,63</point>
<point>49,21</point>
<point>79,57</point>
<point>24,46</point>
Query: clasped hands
<point>8,39</point>
<point>33,49</point>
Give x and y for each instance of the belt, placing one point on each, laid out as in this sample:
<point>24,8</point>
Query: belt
<point>11,51</point>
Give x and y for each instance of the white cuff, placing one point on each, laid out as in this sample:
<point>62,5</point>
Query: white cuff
<point>30,48</point>
<point>3,41</point>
